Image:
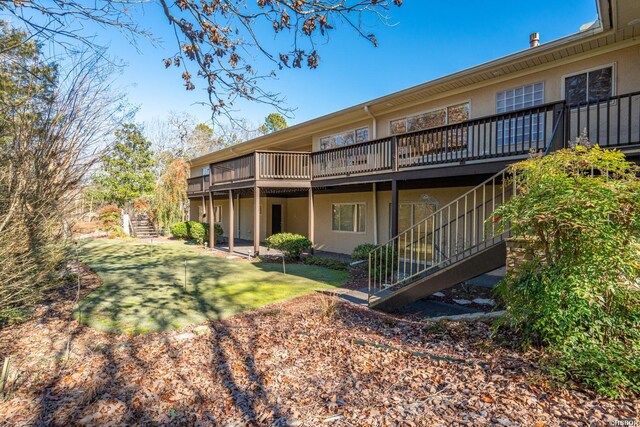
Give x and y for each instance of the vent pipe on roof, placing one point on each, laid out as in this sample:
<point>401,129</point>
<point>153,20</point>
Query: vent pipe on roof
<point>534,40</point>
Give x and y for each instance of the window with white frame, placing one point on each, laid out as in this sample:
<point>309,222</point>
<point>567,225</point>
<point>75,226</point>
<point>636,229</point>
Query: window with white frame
<point>520,97</point>
<point>349,217</point>
<point>344,138</point>
<point>440,117</point>
<point>523,129</point>
<point>589,86</point>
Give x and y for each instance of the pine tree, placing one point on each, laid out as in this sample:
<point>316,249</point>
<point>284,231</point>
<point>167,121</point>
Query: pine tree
<point>128,168</point>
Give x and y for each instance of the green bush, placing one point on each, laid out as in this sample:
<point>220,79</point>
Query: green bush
<point>292,245</point>
<point>194,230</point>
<point>332,263</point>
<point>578,214</point>
<point>179,230</point>
<point>197,231</point>
<point>361,252</point>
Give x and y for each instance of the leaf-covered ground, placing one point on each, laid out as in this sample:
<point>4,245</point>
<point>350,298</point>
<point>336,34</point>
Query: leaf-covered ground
<point>309,361</point>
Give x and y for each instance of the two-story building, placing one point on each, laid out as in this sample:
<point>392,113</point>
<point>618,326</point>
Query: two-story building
<point>370,172</point>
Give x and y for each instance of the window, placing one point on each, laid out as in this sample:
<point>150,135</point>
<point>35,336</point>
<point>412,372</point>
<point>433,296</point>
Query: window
<point>523,129</point>
<point>431,119</point>
<point>344,138</point>
<point>520,97</point>
<point>205,171</point>
<point>349,217</point>
<point>409,214</point>
<point>590,86</point>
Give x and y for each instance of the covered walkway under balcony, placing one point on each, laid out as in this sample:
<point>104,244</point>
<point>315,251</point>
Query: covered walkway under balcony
<point>252,213</point>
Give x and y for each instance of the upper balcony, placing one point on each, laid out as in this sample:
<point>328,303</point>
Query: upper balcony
<point>499,138</point>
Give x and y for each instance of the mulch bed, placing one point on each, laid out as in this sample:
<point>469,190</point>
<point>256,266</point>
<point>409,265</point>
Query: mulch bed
<point>310,361</point>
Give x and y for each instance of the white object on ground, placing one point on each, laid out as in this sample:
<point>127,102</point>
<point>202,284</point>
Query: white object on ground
<point>462,301</point>
<point>484,301</point>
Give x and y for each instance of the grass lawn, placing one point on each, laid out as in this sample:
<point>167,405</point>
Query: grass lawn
<point>143,285</point>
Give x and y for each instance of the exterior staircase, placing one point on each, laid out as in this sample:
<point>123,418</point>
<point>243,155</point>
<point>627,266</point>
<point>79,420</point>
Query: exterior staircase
<point>142,226</point>
<point>458,242</point>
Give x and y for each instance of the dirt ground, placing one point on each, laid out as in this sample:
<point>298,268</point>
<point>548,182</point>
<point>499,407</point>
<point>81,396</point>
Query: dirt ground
<point>307,362</point>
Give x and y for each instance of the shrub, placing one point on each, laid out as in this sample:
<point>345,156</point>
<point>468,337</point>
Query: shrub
<point>116,232</point>
<point>292,245</point>
<point>179,230</point>
<point>219,232</point>
<point>110,216</point>
<point>194,230</point>
<point>361,252</point>
<point>332,263</point>
<point>578,214</point>
<point>197,231</point>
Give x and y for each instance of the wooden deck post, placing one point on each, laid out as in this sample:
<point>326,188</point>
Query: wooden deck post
<point>212,237</point>
<point>231,224</point>
<point>256,220</point>
<point>394,208</point>
<point>374,191</point>
<point>311,225</point>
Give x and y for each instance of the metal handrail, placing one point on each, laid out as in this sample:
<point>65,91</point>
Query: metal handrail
<point>446,235</point>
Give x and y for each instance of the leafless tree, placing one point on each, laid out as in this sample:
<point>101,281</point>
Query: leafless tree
<point>218,41</point>
<point>43,161</point>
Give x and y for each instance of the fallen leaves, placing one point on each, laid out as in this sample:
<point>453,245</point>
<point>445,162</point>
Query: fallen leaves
<point>292,368</point>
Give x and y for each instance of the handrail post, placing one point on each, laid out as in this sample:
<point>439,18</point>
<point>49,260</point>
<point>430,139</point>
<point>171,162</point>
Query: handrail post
<point>560,120</point>
<point>394,153</point>
<point>256,168</point>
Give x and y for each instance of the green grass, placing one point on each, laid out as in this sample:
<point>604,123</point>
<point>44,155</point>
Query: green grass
<point>143,285</point>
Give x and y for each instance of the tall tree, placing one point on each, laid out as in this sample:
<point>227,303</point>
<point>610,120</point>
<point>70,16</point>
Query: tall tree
<point>273,122</point>
<point>52,125</point>
<point>128,167</point>
<point>170,196</point>
<point>202,140</point>
<point>221,39</point>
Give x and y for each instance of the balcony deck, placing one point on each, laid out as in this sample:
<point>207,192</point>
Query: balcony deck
<point>481,144</point>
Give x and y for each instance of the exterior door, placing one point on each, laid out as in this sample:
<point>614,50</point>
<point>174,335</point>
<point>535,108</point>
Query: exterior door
<point>276,219</point>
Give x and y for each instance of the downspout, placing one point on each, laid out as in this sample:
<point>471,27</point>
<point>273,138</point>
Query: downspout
<point>374,134</point>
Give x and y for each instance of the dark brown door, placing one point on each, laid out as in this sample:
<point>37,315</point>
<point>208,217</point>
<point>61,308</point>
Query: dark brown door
<point>276,219</point>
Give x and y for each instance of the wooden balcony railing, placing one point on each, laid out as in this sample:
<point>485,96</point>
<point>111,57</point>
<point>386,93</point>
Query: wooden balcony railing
<point>364,157</point>
<point>501,135</point>
<point>614,122</point>
<point>284,165</point>
<point>198,184</point>
<point>238,169</point>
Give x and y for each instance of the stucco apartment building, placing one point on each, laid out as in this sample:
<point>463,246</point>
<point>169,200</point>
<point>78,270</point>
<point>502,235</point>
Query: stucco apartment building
<point>369,172</point>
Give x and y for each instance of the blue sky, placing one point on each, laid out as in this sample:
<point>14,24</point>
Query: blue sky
<point>429,39</point>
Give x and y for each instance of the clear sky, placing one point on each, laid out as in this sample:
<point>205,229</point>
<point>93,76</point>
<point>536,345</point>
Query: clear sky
<point>430,38</point>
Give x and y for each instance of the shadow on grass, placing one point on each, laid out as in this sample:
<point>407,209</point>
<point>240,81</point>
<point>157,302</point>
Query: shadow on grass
<point>144,286</point>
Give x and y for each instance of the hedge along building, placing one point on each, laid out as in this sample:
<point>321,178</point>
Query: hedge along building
<point>389,167</point>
